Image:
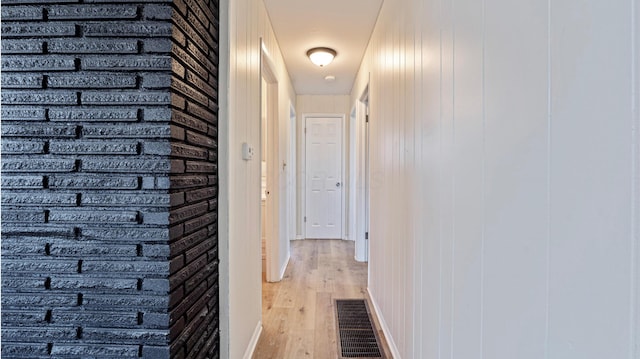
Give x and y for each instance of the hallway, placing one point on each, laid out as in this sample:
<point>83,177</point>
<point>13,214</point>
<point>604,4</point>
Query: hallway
<point>298,312</point>
<point>503,171</point>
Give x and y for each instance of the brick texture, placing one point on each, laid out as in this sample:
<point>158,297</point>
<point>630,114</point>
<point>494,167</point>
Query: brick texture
<point>193,280</point>
<point>109,179</point>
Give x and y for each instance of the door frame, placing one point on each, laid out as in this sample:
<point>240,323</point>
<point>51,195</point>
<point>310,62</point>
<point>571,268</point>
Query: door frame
<point>359,176</point>
<point>272,215</point>
<point>303,147</point>
<point>292,174</point>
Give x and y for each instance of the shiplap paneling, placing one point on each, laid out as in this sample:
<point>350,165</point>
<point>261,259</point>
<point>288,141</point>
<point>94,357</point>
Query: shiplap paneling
<point>589,180</point>
<point>504,200</point>
<point>248,23</point>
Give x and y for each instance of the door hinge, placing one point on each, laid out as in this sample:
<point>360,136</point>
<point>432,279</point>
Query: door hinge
<point>366,235</point>
<point>305,218</point>
<point>366,118</point>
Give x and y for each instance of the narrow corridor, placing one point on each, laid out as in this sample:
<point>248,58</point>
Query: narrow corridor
<point>298,312</point>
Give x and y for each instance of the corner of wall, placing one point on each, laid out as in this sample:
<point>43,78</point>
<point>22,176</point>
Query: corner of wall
<point>193,219</point>
<point>223,180</point>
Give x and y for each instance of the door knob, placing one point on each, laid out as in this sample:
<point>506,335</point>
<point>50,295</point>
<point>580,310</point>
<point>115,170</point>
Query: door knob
<point>338,184</point>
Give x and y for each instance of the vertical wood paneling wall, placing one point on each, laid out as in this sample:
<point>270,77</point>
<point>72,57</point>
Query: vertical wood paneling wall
<point>504,177</point>
<point>248,22</point>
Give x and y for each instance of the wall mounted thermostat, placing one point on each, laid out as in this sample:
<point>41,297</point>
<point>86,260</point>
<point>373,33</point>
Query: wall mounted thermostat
<point>247,151</point>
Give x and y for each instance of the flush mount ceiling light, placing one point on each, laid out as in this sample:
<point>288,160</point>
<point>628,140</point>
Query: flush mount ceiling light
<point>321,56</point>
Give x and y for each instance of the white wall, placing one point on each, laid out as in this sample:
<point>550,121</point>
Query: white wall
<point>505,186</point>
<point>313,104</point>
<point>239,179</point>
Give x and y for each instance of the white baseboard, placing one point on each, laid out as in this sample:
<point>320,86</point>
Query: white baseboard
<point>395,353</point>
<point>254,341</point>
<point>299,237</point>
<point>284,267</point>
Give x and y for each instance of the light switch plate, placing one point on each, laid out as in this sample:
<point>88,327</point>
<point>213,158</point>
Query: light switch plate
<point>247,151</point>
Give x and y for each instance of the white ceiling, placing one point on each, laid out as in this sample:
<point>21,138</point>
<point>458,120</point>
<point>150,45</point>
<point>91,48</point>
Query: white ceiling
<point>343,25</point>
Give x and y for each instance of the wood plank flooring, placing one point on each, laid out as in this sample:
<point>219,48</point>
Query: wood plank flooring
<point>298,313</point>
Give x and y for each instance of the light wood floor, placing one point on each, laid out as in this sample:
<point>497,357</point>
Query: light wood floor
<point>298,313</point>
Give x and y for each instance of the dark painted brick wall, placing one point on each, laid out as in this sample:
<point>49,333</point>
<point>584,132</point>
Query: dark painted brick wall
<point>194,181</point>
<point>109,179</point>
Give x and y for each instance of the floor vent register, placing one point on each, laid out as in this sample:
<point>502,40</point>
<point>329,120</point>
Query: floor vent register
<point>357,337</point>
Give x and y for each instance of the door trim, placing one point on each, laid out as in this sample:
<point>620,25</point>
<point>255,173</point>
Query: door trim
<point>359,177</point>
<point>303,147</point>
<point>292,210</point>
<point>272,216</point>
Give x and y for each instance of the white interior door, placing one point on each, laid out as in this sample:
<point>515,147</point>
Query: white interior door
<point>324,185</point>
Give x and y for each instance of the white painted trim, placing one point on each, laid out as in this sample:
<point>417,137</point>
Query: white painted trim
<point>267,63</point>
<point>299,237</point>
<point>292,210</point>
<point>351,158</point>
<point>357,176</point>
<point>272,224</point>
<point>345,177</point>
<point>223,179</point>
<point>284,267</point>
<point>304,161</point>
<point>395,353</point>
<point>254,341</point>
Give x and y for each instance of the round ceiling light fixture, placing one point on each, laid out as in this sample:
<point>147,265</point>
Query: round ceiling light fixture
<point>321,56</point>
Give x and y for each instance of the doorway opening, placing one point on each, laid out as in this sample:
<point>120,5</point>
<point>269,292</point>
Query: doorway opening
<point>359,177</point>
<point>271,195</point>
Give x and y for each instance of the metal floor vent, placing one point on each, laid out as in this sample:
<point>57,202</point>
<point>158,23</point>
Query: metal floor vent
<point>357,337</point>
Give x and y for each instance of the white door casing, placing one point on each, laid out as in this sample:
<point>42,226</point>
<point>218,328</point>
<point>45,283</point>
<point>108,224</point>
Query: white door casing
<point>359,177</point>
<point>291,174</point>
<point>324,185</point>
<point>276,242</point>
